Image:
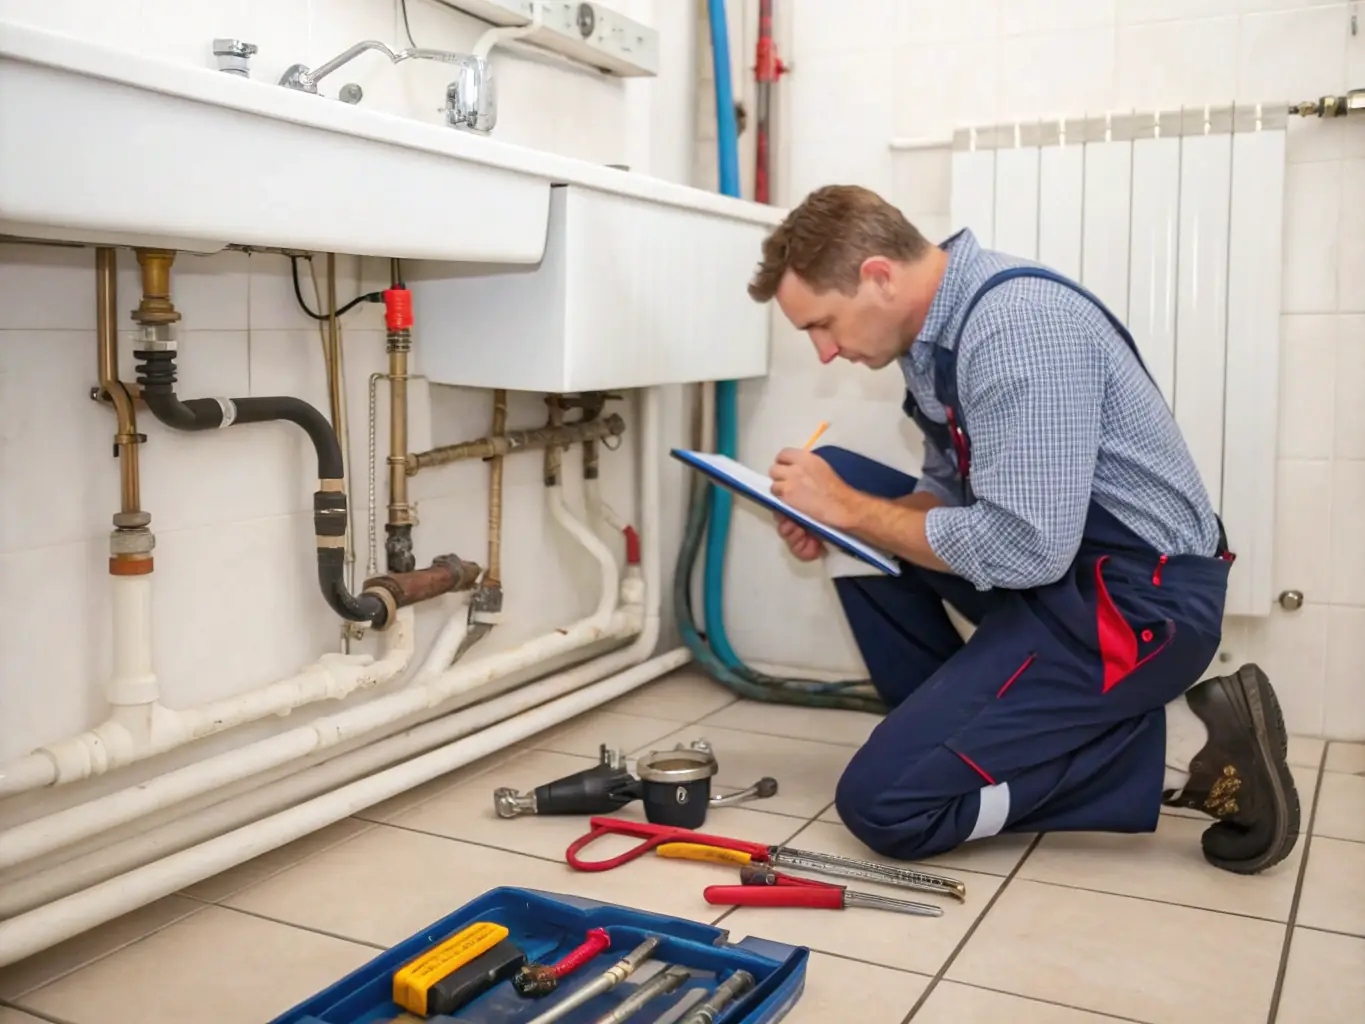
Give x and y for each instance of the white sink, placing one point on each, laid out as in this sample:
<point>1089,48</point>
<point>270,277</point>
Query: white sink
<point>101,145</point>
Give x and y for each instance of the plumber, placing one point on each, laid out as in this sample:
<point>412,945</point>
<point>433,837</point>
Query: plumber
<point>1059,510</point>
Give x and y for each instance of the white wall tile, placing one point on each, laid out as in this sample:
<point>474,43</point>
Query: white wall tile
<point>1303,528</point>
<point>932,21</point>
<point>1080,74</point>
<point>1136,12</point>
<point>1168,64</point>
<point>47,288</point>
<point>1292,648</point>
<point>1028,17</point>
<point>865,161</point>
<point>1348,539</point>
<point>922,181</point>
<point>1311,139</point>
<point>1312,247</point>
<point>1350,389</point>
<point>1292,55</point>
<point>851,26</point>
<point>844,97</point>
<point>1308,360</point>
<point>943,86</point>
<point>1345,697</point>
<point>1351,268</point>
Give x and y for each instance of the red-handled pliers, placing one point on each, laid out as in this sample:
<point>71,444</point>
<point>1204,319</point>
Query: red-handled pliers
<point>763,887</point>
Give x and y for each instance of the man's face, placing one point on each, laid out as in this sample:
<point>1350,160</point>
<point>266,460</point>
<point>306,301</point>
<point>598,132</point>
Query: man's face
<point>866,327</point>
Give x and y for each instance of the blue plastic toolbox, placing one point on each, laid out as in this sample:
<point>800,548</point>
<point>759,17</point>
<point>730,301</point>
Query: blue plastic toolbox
<point>549,925</point>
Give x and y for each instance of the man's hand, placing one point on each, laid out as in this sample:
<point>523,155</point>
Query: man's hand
<point>805,545</point>
<point>809,484</point>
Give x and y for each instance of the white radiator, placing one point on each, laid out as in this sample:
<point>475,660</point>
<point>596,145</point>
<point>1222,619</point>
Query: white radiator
<point>1174,220</point>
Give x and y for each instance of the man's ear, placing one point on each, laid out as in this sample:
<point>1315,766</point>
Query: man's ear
<point>878,270</point>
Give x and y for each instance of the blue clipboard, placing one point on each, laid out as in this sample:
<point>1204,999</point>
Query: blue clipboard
<point>740,479</point>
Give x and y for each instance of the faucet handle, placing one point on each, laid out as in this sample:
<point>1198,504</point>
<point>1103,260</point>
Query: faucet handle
<point>234,56</point>
<point>471,100</point>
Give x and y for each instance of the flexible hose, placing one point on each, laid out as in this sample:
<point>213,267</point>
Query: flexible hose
<point>714,652</point>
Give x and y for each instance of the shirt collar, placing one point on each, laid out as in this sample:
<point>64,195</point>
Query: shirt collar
<point>962,249</point>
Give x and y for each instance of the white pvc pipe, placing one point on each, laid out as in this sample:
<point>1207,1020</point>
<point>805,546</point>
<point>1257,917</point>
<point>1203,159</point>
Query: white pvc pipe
<point>447,642</point>
<point>63,879</point>
<point>133,681</point>
<point>39,929</point>
<point>584,534</point>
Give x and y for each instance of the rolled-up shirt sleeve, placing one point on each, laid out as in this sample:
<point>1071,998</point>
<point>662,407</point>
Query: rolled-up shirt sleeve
<point>1031,388</point>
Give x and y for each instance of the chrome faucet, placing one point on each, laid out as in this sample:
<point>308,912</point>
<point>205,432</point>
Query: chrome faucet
<point>471,101</point>
<point>234,56</point>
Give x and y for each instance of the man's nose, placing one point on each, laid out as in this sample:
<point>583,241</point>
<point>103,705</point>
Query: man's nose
<point>826,350</point>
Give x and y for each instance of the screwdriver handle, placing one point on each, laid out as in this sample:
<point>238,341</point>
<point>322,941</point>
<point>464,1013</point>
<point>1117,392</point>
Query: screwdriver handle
<point>821,897</point>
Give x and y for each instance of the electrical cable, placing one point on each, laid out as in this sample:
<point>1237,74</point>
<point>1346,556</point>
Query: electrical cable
<point>713,652</point>
<point>298,293</point>
<point>403,4</point>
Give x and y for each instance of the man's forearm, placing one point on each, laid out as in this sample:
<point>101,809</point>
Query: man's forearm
<point>897,526</point>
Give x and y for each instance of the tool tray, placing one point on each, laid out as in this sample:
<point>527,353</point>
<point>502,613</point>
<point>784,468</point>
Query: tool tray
<point>547,926</point>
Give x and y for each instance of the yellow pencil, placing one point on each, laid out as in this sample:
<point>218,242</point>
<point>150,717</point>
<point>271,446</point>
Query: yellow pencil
<point>816,436</point>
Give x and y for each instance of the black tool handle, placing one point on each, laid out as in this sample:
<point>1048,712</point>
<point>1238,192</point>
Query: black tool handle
<point>600,789</point>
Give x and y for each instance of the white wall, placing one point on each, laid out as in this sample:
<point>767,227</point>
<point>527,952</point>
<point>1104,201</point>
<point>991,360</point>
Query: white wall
<point>870,70</point>
<point>236,599</point>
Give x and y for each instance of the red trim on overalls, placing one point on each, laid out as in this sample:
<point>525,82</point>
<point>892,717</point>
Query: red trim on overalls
<point>1019,672</point>
<point>975,767</point>
<point>961,447</point>
<point>1118,642</point>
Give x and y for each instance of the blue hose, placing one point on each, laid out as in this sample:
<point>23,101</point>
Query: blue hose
<point>727,413</point>
<point>713,652</point>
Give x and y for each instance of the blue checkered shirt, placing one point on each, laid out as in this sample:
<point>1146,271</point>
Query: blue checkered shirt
<point>1058,411</point>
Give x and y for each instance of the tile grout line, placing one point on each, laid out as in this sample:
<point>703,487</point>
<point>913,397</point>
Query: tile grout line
<point>352,940</point>
<point>1330,931</point>
<point>971,930</point>
<point>1278,992</point>
<point>1153,899</point>
<point>1050,1002</point>
<point>37,1014</point>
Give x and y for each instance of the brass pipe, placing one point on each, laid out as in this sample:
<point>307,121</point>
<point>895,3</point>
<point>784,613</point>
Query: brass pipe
<point>334,391</point>
<point>126,439</point>
<point>514,441</point>
<point>155,307</point>
<point>398,546</point>
<point>499,427</point>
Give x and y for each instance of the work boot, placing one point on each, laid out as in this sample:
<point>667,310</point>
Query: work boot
<point>1241,777</point>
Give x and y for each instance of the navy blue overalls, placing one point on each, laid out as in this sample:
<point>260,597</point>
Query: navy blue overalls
<point>1051,717</point>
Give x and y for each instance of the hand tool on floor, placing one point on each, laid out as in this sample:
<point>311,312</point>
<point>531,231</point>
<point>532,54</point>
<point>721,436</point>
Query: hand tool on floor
<point>675,786</point>
<point>605,982</point>
<point>683,844</point>
<point>661,984</point>
<point>732,988</point>
<point>457,971</point>
<point>535,980</point>
<point>762,887</point>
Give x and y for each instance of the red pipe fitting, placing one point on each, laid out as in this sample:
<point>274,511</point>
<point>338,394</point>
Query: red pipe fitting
<point>398,309</point>
<point>632,546</point>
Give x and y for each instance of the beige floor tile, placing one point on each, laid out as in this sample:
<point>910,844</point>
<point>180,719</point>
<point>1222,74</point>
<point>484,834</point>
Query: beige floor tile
<point>830,725</point>
<point>1325,980</point>
<point>806,771</point>
<point>233,968</point>
<point>1306,751</point>
<point>904,941</point>
<point>1346,757</point>
<point>884,996</point>
<point>952,1003</point>
<point>1341,807</point>
<point>1166,865</point>
<point>1305,781</point>
<point>995,856</point>
<point>1334,887</point>
<point>585,734</point>
<point>8,1016</point>
<point>220,887</point>
<point>682,696</point>
<point>1128,957</point>
<point>466,812</point>
<point>388,883</point>
<point>74,953</point>
<point>389,809</point>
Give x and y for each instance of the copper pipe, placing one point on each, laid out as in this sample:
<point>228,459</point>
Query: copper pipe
<point>515,441</point>
<point>333,347</point>
<point>499,427</point>
<point>400,513</point>
<point>126,440</point>
<point>446,573</point>
<point>155,307</point>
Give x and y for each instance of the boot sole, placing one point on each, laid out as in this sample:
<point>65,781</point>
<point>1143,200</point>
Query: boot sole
<point>1272,739</point>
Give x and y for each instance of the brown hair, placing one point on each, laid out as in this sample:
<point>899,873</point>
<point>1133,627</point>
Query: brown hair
<point>825,240</point>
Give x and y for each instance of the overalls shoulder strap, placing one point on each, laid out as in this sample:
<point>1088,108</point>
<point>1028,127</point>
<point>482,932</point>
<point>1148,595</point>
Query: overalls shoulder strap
<point>945,361</point>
